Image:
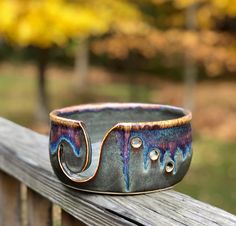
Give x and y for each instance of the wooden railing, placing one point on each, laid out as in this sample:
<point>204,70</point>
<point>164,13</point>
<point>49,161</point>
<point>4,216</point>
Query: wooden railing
<point>24,159</point>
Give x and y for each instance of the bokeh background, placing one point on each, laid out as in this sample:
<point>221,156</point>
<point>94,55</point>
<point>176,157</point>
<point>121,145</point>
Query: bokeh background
<point>55,53</point>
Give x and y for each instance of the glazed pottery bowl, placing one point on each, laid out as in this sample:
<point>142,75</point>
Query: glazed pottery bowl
<point>120,148</point>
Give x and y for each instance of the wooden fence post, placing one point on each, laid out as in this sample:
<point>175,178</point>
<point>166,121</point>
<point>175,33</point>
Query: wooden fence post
<point>10,203</point>
<point>39,209</point>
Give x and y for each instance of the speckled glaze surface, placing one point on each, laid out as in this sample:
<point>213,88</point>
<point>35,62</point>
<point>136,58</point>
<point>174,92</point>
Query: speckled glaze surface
<point>120,148</point>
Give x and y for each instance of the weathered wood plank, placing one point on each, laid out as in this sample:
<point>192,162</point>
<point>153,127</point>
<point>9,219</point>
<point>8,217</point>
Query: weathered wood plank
<point>10,203</point>
<point>24,154</point>
<point>68,220</point>
<point>39,209</point>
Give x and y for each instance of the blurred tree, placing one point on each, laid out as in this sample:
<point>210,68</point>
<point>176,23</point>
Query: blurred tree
<point>209,11</point>
<point>170,35</point>
<point>182,33</point>
<point>120,17</point>
<point>45,23</point>
<point>190,73</point>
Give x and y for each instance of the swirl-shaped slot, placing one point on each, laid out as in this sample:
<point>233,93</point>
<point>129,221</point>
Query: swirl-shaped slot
<point>71,147</point>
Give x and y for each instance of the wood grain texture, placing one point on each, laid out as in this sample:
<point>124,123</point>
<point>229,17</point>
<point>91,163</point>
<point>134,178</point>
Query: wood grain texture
<point>10,205</point>
<point>68,220</point>
<point>24,154</point>
<point>39,209</point>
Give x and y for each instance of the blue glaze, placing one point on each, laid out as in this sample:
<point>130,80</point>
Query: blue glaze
<point>171,142</point>
<point>164,139</point>
<point>54,145</point>
<point>166,156</point>
<point>123,141</point>
<point>61,133</point>
<point>126,174</point>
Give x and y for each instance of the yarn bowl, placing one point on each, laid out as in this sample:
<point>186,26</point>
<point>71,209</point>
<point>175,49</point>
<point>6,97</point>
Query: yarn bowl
<point>116,148</point>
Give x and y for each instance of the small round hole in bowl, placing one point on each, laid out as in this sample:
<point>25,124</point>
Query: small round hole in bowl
<point>170,167</point>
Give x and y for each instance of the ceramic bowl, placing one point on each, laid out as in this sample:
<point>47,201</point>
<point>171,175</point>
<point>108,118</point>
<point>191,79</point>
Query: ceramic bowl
<point>116,148</point>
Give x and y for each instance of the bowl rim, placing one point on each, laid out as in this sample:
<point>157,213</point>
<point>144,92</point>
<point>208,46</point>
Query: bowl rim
<point>55,115</point>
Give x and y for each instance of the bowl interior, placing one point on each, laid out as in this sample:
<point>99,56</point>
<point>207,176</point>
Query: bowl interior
<point>99,121</point>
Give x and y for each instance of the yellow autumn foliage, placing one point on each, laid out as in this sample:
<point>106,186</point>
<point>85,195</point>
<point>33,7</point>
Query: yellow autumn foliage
<point>46,22</point>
